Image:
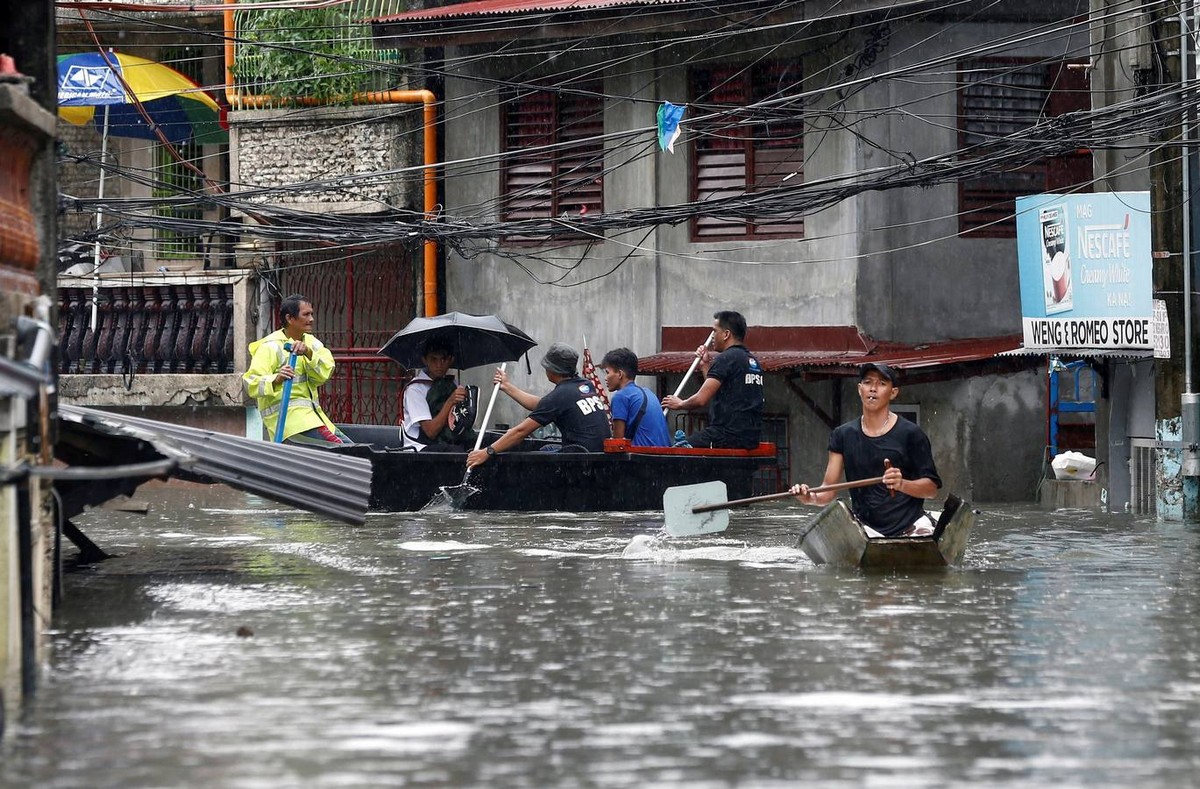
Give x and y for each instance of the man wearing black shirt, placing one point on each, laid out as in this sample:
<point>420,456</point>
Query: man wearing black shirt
<point>574,405</point>
<point>880,443</point>
<point>732,389</point>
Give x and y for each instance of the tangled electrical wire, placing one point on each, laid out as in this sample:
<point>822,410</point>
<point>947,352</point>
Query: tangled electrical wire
<point>471,230</point>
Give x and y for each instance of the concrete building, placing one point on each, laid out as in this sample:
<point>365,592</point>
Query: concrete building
<point>849,97</point>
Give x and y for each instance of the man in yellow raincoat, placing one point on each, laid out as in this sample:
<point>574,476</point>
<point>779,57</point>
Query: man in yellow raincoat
<point>306,423</point>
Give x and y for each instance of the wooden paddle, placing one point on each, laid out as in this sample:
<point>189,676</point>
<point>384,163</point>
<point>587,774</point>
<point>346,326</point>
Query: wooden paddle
<point>457,494</point>
<point>702,509</point>
<point>711,336</point>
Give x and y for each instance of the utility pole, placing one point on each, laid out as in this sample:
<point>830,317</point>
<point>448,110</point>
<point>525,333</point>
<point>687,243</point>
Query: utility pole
<point>1177,491</point>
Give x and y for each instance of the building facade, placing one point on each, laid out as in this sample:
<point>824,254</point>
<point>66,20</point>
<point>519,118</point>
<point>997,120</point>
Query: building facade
<point>804,192</point>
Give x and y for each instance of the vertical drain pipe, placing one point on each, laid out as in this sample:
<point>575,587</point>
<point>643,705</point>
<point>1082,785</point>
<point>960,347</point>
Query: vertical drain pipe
<point>1185,55</point>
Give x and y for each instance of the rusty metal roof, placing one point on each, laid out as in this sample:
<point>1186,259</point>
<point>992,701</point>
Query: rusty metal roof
<point>509,7</point>
<point>485,8</point>
<point>490,21</point>
<point>278,472</point>
<point>831,350</point>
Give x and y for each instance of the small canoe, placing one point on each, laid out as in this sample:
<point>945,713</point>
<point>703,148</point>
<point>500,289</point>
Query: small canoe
<point>836,538</point>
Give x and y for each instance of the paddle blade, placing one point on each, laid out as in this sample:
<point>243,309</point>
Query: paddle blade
<point>678,518</point>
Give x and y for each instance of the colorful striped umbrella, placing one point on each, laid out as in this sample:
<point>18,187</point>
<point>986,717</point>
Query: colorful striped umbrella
<point>176,104</point>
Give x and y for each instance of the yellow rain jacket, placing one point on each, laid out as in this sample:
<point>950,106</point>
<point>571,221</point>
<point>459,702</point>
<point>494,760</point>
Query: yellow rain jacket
<point>304,410</point>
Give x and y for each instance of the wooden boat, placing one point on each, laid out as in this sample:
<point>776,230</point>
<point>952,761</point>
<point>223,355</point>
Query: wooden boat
<point>623,477</point>
<point>836,538</point>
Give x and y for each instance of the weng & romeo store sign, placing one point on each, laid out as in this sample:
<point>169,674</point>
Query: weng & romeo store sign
<point>1085,270</point>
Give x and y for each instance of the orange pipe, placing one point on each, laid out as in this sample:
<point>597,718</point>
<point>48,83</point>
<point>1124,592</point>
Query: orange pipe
<point>238,100</point>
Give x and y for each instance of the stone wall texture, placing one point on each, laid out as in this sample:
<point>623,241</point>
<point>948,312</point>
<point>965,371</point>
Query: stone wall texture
<point>345,159</point>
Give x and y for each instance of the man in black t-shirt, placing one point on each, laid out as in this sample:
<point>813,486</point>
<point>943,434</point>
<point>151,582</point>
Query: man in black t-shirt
<point>732,388</point>
<point>574,405</point>
<point>880,443</point>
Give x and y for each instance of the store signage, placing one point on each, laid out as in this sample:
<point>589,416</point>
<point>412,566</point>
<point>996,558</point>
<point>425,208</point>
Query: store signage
<point>1085,271</point>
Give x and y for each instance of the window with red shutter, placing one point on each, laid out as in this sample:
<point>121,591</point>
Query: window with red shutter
<point>1000,97</point>
<point>554,153</point>
<point>739,150</point>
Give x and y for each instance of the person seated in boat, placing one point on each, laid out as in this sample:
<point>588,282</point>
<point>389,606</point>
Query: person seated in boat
<point>435,415</point>
<point>306,423</point>
<point>635,411</point>
<point>732,389</point>
<point>880,443</point>
<point>574,405</point>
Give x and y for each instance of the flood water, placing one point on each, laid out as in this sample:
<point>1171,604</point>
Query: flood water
<point>510,650</point>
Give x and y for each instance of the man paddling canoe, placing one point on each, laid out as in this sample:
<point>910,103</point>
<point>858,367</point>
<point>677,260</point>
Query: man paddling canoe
<point>574,405</point>
<point>881,442</point>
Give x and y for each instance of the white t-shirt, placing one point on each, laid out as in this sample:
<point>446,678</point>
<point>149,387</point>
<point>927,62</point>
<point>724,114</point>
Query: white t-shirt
<point>416,410</point>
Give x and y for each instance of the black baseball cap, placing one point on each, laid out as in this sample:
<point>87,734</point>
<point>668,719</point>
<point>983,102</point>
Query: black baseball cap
<point>879,367</point>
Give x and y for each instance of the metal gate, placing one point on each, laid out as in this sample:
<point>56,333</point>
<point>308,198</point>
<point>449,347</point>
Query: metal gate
<point>361,298</point>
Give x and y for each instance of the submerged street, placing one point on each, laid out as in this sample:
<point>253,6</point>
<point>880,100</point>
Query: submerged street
<point>235,643</point>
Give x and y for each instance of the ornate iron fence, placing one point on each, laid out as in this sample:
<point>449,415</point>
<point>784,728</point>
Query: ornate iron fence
<point>177,328</point>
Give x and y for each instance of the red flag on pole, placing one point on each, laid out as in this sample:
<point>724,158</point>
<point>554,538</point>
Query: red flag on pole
<point>589,372</point>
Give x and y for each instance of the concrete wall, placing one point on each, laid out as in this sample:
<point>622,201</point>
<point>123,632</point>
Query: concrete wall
<point>621,292</point>
<point>917,279</point>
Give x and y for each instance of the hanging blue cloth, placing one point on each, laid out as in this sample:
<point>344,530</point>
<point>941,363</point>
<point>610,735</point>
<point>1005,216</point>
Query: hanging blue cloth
<point>669,116</point>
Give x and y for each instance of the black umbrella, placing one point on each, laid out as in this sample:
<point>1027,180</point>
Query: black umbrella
<point>476,340</point>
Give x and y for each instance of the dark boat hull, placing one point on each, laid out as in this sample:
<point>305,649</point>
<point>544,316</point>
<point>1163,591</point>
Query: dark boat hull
<point>535,481</point>
<point>836,538</point>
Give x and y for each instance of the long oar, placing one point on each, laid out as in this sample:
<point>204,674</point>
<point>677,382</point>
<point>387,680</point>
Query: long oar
<point>695,362</point>
<point>287,395</point>
<point>459,493</point>
<point>703,509</point>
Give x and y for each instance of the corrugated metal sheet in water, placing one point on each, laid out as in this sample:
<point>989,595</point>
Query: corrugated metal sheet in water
<point>310,479</point>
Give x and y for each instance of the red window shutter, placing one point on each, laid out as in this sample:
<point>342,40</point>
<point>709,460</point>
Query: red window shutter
<point>580,181</point>
<point>778,144</point>
<point>529,170</point>
<point>999,98</point>
<point>732,156</point>
<point>554,160</point>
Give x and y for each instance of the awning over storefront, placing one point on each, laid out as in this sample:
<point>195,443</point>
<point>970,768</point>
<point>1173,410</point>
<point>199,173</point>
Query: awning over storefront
<point>816,352</point>
<point>1124,354</point>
